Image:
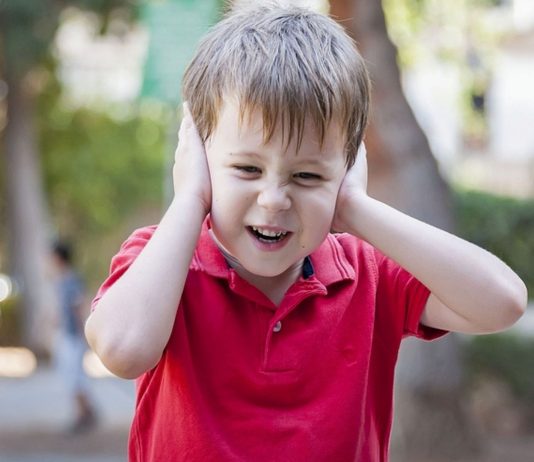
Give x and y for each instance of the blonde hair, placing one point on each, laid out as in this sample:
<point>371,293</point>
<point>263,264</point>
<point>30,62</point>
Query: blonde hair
<point>290,63</point>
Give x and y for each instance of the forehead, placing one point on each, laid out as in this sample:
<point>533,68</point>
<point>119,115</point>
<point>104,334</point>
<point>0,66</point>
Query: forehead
<point>245,125</point>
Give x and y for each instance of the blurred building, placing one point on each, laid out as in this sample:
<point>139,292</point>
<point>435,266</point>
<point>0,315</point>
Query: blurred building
<point>501,158</point>
<point>99,69</point>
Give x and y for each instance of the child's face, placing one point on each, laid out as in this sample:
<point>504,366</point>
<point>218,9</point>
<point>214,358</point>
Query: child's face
<point>271,207</point>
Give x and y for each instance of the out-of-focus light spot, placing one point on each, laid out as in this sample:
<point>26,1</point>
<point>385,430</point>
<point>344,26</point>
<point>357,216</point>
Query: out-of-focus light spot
<point>6,287</point>
<point>16,362</point>
<point>93,366</point>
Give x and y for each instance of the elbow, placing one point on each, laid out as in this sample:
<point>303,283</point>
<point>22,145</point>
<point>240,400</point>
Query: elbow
<point>519,302</point>
<point>120,364</point>
<point>120,356</point>
<point>125,362</point>
<point>513,305</point>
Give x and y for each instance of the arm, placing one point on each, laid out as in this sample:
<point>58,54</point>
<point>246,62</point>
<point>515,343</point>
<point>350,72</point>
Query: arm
<point>472,290</point>
<point>132,322</point>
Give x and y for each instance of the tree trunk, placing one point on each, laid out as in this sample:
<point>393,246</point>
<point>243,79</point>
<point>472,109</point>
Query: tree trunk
<point>404,174</point>
<point>26,213</point>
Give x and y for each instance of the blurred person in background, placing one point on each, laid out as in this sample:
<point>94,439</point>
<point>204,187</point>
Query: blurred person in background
<point>70,345</point>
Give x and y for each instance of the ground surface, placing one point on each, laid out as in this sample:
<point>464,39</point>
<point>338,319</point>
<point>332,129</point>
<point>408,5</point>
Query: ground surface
<point>34,414</point>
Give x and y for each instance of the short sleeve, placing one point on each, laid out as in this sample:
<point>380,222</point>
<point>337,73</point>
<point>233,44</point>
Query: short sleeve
<point>128,252</point>
<point>406,297</point>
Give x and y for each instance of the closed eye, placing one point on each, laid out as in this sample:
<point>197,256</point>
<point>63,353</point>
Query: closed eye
<point>307,176</point>
<point>247,169</point>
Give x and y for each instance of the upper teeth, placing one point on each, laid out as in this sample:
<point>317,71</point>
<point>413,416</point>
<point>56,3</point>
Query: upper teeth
<point>269,233</point>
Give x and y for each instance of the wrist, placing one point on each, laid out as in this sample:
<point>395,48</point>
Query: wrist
<point>189,205</point>
<point>192,193</point>
<point>355,214</point>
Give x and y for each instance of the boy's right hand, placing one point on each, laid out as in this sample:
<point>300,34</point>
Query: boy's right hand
<point>190,171</point>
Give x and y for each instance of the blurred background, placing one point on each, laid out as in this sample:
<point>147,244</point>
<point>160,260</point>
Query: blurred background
<point>89,98</point>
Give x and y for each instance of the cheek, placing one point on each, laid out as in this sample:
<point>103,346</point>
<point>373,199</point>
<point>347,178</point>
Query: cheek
<point>318,211</point>
<point>221,198</point>
<point>324,202</point>
<point>229,194</point>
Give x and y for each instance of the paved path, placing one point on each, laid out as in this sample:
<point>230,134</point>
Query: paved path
<point>34,414</point>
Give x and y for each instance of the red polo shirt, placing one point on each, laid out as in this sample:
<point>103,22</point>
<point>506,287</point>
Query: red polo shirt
<point>311,380</point>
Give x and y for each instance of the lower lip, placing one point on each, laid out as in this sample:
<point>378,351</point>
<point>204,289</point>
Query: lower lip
<point>269,246</point>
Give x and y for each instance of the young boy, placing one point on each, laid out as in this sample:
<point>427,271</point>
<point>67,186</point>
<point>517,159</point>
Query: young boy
<point>255,334</point>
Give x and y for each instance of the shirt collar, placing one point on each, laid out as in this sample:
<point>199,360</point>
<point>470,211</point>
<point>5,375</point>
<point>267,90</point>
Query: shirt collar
<point>328,263</point>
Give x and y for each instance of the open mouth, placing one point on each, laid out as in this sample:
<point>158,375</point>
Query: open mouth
<point>267,235</point>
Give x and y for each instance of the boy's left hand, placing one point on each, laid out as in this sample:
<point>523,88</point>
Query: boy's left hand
<point>352,189</point>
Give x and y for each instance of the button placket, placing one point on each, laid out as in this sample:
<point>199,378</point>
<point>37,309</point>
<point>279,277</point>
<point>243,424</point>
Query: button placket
<point>291,302</point>
<point>271,332</point>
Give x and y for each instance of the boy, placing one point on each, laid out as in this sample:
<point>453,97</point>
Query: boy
<point>257,335</point>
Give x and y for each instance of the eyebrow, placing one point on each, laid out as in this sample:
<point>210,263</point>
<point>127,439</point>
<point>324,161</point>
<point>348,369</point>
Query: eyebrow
<point>319,162</point>
<point>244,154</point>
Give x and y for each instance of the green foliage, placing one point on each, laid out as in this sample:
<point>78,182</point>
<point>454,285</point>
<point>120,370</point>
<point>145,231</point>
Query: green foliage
<point>505,227</point>
<point>505,357</point>
<point>97,168</point>
<point>100,167</point>
<point>502,225</point>
<point>27,28</point>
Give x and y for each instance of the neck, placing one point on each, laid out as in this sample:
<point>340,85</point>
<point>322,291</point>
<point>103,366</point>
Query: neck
<point>273,287</point>
<point>230,259</point>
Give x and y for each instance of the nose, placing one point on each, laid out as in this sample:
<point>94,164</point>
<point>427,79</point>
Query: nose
<point>274,197</point>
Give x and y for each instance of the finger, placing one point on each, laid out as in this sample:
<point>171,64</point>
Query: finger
<point>182,127</point>
<point>362,149</point>
<point>189,122</point>
<point>186,115</point>
<point>186,123</point>
<point>185,109</point>
<point>188,135</point>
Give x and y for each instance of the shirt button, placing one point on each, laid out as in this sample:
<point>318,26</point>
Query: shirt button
<point>277,327</point>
